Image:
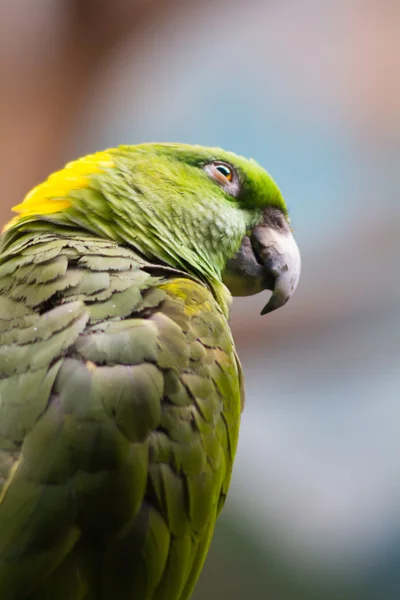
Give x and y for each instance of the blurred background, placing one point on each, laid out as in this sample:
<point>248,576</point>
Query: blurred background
<point>311,90</point>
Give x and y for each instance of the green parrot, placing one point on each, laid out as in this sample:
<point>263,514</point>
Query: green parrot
<point>120,388</point>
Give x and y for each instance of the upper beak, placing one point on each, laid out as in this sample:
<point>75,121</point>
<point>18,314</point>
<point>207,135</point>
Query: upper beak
<point>268,258</point>
<point>280,257</point>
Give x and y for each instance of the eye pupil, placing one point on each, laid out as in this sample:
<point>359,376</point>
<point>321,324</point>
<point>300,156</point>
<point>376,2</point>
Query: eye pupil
<point>225,170</point>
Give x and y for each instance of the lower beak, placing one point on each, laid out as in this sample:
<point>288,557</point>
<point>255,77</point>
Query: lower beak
<point>267,259</point>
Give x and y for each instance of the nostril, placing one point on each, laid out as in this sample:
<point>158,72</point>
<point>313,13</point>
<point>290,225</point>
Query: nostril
<point>273,217</point>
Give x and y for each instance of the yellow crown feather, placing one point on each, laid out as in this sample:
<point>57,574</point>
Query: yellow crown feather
<point>51,196</point>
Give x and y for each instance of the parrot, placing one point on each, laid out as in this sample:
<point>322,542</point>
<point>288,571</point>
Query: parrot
<point>121,390</point>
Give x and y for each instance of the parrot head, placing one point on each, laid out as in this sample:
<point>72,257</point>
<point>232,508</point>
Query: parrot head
<point>213,214</point>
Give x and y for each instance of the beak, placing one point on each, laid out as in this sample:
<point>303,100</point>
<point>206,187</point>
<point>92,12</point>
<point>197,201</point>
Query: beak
<point>268,259</point>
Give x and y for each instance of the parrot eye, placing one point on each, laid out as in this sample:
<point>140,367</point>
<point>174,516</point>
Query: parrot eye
<point>224,174</point>
<point>226,171</point>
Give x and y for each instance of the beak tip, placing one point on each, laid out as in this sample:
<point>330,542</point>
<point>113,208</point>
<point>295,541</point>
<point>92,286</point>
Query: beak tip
<point>276,301</point>
<point>265,310</point>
